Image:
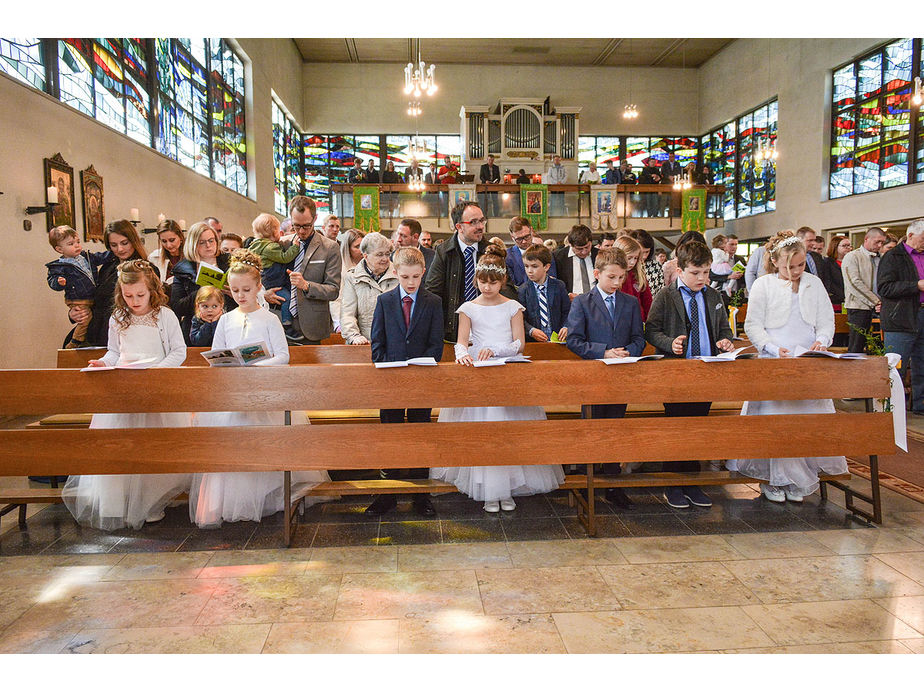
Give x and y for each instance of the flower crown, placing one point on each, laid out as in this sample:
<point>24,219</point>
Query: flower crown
<point>789,241</point>
<point>484,267</point>
<point>245,261</point>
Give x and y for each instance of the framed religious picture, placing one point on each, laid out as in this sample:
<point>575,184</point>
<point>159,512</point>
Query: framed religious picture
<point>604,202</point>
<point>91,188</point>
<point>61,176</point>
<point>534,202</point>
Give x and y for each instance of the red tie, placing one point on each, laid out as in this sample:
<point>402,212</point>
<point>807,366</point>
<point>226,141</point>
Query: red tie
<point>407,301</point>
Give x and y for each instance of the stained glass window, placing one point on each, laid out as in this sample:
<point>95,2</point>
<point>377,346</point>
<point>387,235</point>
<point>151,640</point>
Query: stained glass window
<point>22,58</point>
<point>872,130</point>
<point>317,175</point>
<point>287,160</point>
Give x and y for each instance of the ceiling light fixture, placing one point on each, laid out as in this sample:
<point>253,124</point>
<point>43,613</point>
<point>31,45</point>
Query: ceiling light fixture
<point>419,79</point>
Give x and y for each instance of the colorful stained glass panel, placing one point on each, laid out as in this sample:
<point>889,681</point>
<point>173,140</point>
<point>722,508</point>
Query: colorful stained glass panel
<point>22,58</point>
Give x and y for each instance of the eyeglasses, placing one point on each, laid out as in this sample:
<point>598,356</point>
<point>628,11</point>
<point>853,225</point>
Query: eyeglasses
<point>381,254</point>
<point>207,241</point>
<point>302,227</point>
<point>475,222</point>
<point>522,238</point>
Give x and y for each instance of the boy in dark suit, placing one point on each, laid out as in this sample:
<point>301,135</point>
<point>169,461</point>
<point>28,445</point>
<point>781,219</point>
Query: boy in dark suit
<point>544,297</point>
<point>407,323</point>
<point>606,323</point>
<point>687,319</point>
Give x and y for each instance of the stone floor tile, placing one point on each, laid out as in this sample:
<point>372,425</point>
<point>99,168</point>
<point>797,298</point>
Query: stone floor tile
<point>54,566</point>
<point>675,585</point>
<point>659,630</point>
<point>35,642</point>
<point>535,528</point>
<point>656,525</point>
<point>781,521</point>
<point>355,534</point>
<point>909,609</point>
<point>223,639</point>
<point>451,633</point>
<point>465,531</point>
<point>409,532</point>
<point>871,647</point>
<point>858,620</point>
<point>607,527</point>
<point>571,552</point>
<point>676,549</point>
<point>166,566</point>
<point>453,556</point>
<point>777,544</point>
<point>308,597</point>
<point>867,541</point>
<point>256,563</point>
<point>916,645</point>
<point>353,559</point>
<point>231,536</point>
<point>541,590</point>
<point>909,564</point>
<point>334,637</point>
<point>84,540</point>
<point>398,595</point>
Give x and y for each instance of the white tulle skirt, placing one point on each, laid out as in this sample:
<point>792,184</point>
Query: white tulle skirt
<point>796,474</point>
<point>113,501</point>
<point>498,483</point>
<point>218,497</point>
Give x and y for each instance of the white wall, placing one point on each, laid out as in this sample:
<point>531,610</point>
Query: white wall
<point>737,79</point>
<point>369,98</point>
<point>36,126</point>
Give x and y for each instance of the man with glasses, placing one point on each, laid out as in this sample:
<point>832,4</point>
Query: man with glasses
<point>315,274</point>
<point>522,234</point>
<point>575,262</point>
<point>452,276</point>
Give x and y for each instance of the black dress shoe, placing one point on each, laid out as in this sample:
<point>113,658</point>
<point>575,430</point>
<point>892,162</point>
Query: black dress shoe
<point>423,506</point>
<point>381,505</point>
<point>618,497</point>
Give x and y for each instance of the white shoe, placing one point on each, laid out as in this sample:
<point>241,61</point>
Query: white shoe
<point>508,504</point>
<point>773,493</point>
<point>491,506</point>
<point>156,518</point>
<point>793,496</point>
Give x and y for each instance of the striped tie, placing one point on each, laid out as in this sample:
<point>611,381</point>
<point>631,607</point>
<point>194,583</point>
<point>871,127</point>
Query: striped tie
<point>543,311</point>
<point>470,292</point>
<point>293,301</point>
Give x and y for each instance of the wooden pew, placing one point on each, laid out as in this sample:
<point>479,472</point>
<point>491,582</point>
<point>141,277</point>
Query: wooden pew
<point>292,448</point>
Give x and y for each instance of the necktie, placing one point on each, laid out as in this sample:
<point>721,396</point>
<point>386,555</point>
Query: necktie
<point>543,311</point>
<point>406,307</point>
<point>293,302</point>
<point>694,324</point>
<point>611,306</point>
<point>810,264</point>
<point>585,279</point>
<point>470,292</point>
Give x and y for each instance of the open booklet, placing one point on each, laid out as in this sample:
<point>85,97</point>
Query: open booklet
<point>631,359</point>
<point>209,275</point>
<point>729,355</point>
<point>519,358</point>
<point>419,361</point>
<point>802,351</point>
<point>135,365</point>
<point>243,355</point>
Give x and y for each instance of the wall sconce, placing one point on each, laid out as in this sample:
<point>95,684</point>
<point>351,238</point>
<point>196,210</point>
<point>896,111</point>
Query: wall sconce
<point>51,194</point>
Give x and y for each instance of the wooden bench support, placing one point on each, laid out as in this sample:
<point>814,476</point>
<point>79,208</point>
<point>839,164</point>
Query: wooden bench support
<point>20,498</point>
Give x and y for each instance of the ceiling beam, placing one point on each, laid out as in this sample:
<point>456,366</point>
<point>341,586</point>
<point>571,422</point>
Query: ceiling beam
<point>351,49</point>
<point>607,51</point>
<point>675,44</point>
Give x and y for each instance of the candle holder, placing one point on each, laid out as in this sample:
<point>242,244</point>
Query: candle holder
<point>48,207</point>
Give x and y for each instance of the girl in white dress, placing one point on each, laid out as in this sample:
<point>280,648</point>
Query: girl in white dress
<point>142,331</point>
<point>233,496</point>
<point>494,326</point>
<point>788,308</point>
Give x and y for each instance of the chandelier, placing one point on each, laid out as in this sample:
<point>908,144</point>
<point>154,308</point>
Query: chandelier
<point>630,112</point>
<point>413,108</point>
<point>917,97</point>
<point>766,151</point>
<point>419,79</point>
<point>683,183</point>
<point>415,183</point>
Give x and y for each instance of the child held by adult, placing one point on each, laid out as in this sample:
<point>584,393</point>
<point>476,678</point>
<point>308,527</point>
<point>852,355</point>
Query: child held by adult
<point>544,297</point>
<point>74,273</point>
<point>274,257</point>
<point>788,308</point>
<point>688,319</point>
<point>494,326</point>
<point>142,329</point>
<point>407,324</point>
<point>607,323</point>
<point>210,305</point>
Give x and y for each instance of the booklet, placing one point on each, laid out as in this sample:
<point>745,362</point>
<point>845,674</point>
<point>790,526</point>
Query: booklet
<point>802,351</point>
<point>419,361</point>
<point>136,365</point>
<point>728,355</point>
<point>631,359</point>
<point>209,275</point>
<point>739,267</point>
<point>243,355</point>
<point>519,358</point>
<point>555,339</point>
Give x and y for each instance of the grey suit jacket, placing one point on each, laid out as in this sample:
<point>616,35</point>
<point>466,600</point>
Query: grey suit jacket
<point>321,269</point>
<point>668,319</point>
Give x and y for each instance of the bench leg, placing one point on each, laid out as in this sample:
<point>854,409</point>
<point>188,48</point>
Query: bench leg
<point>287,509</point>
<point>22,516</point>
<point>591,503</point>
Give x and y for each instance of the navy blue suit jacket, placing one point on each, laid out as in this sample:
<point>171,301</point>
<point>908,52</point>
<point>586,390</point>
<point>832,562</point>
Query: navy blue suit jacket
<point>559,305</point>
<point>391,341</point>
<point>515,269</point>
<point>591,332</point>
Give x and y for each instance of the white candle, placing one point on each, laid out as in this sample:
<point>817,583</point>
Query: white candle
<point>52,194</point>
<point>161,217</point>
<point>134,214</point>
<point>182,223</point>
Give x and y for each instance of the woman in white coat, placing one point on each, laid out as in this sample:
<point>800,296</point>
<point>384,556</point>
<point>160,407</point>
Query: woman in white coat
<point>362,286</point>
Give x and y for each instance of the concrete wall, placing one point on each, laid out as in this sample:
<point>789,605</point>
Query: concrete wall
<point>737,79</point>
<point>35,126</point>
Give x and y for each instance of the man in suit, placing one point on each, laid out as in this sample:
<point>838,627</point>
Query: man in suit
<point>612,175</point>
<point>574,263</point>
<point>671,170</point>
<point>425,241</point>
<point>858,269</point>
<point>407,235</point>
<point>357,174</point>
<point>452,275</point>
<point>413,170</point>
<point>813,260</point>
<point>730,247</point>
<point>407,323</point>
<point>433,176</point>
<point>489,173</point>
<point>315,274</point>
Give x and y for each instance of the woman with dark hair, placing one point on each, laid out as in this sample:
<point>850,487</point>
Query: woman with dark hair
<point>830,274</point>
<point>123,243</point>
<point>164,258</point>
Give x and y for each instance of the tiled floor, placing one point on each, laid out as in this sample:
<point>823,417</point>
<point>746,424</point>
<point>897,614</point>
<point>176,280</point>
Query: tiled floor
<point>746,575</point>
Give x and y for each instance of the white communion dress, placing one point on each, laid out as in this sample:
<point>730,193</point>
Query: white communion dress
<point>215,497</point>
<point>795,474</point>
<point>491,328</point>
<point>113,501</point>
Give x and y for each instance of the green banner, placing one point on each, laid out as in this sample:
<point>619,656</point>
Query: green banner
<point>534,205</point>
<point>366,208</point>
<point>693,217</point>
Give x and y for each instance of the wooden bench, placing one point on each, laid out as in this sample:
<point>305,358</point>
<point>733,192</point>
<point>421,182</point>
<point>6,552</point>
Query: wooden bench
<point>652,437</point>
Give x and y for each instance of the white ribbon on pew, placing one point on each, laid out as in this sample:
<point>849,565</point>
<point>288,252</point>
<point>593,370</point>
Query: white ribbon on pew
<point>897,401</point>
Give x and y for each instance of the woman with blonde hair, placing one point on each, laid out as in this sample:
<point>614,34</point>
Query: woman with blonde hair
<point>201,246</point>
<point>636,282</point>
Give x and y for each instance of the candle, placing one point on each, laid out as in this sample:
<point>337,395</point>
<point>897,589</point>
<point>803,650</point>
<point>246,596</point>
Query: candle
<point>52,194</point>
<point>134,214</point>
<point>182,223</point>
<point>161,217</point>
